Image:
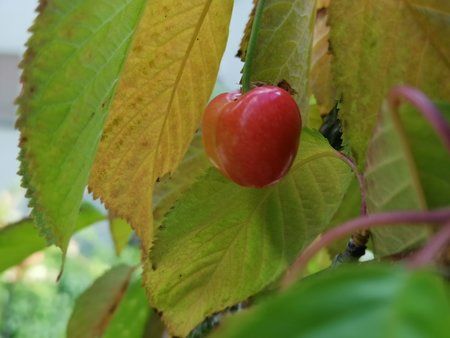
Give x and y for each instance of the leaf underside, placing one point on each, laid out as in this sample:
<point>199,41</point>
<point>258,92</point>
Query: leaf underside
<point>167,191</point>
<point>403,174</point>
<point>96,306</point>
<point>223,243</point>
<point>172,187</point>
<point>133,308</point>
<point>284,47</point>
<point>69,76</point>
<point>167,80</point>
<point>380,43</point>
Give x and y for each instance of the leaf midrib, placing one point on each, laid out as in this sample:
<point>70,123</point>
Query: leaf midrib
<point>178,80</point>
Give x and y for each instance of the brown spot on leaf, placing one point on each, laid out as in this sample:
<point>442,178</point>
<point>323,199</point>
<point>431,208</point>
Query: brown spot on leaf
<point>242,52</point>
<point>68,33</point>
<point>42,5</point>
<point>23,140</point>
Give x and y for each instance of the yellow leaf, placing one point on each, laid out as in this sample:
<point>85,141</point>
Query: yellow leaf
<point>242,52</point>
<point>378,44</point>
<point>321,83</point>
<point>167,80</point>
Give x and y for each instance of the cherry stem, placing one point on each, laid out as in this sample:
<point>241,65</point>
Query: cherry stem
<point>425,106</point>
<point>251,48</point>
<point>441,216</point>
<point>431,249</point>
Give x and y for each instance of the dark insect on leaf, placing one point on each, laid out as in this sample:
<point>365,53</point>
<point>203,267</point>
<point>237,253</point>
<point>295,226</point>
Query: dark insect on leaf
<point>332,129</point>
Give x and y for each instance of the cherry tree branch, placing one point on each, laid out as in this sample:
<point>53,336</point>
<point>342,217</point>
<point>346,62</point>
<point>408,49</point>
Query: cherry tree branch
<point>427,108</point>
<point>441,216</point>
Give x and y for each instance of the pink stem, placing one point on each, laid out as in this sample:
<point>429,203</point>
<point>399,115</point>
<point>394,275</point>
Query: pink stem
<point>359,176</point>
<point>375,220</point>
<point>431,249</point>
<point>426,108</point>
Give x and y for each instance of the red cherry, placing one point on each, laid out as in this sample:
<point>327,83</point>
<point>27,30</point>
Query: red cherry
<point>252,138</point>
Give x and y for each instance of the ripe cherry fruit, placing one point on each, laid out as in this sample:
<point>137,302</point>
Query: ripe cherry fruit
<point>252,138</point>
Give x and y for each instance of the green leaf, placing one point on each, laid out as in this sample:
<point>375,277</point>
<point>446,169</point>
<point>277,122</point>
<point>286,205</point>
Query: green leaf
<point>80,51</point>
<point>430,156</point>
<point>172,187</point>
<point>70,71</point>
<point>349,208</point>
<point>407,169</point>
<point>120,232</point>
<point>283,46</point>
<point>19,240</point>
<point>167,191</point>
<point>224,243</point>
<point>167,81</point>
<point>130,318</point>
<point>380,43</point>
<point>350,302</point>
<point>96,306</point>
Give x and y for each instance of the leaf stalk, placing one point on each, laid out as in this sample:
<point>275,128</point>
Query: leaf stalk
<point>425,106</point>
<point>441,216</point>
<point>251,49</point>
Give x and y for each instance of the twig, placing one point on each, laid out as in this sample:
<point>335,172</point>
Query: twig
<point>392,218</point>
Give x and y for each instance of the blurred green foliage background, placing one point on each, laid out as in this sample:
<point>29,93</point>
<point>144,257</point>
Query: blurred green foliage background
<point>33,304</point>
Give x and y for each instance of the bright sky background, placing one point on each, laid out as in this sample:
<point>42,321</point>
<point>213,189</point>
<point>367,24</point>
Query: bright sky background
<point>15,18</point>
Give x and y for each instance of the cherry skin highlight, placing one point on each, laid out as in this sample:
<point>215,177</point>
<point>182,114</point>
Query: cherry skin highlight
<point>252,138</point>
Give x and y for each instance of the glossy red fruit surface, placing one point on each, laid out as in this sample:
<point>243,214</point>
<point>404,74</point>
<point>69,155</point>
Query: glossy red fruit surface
<point>252,138</point>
